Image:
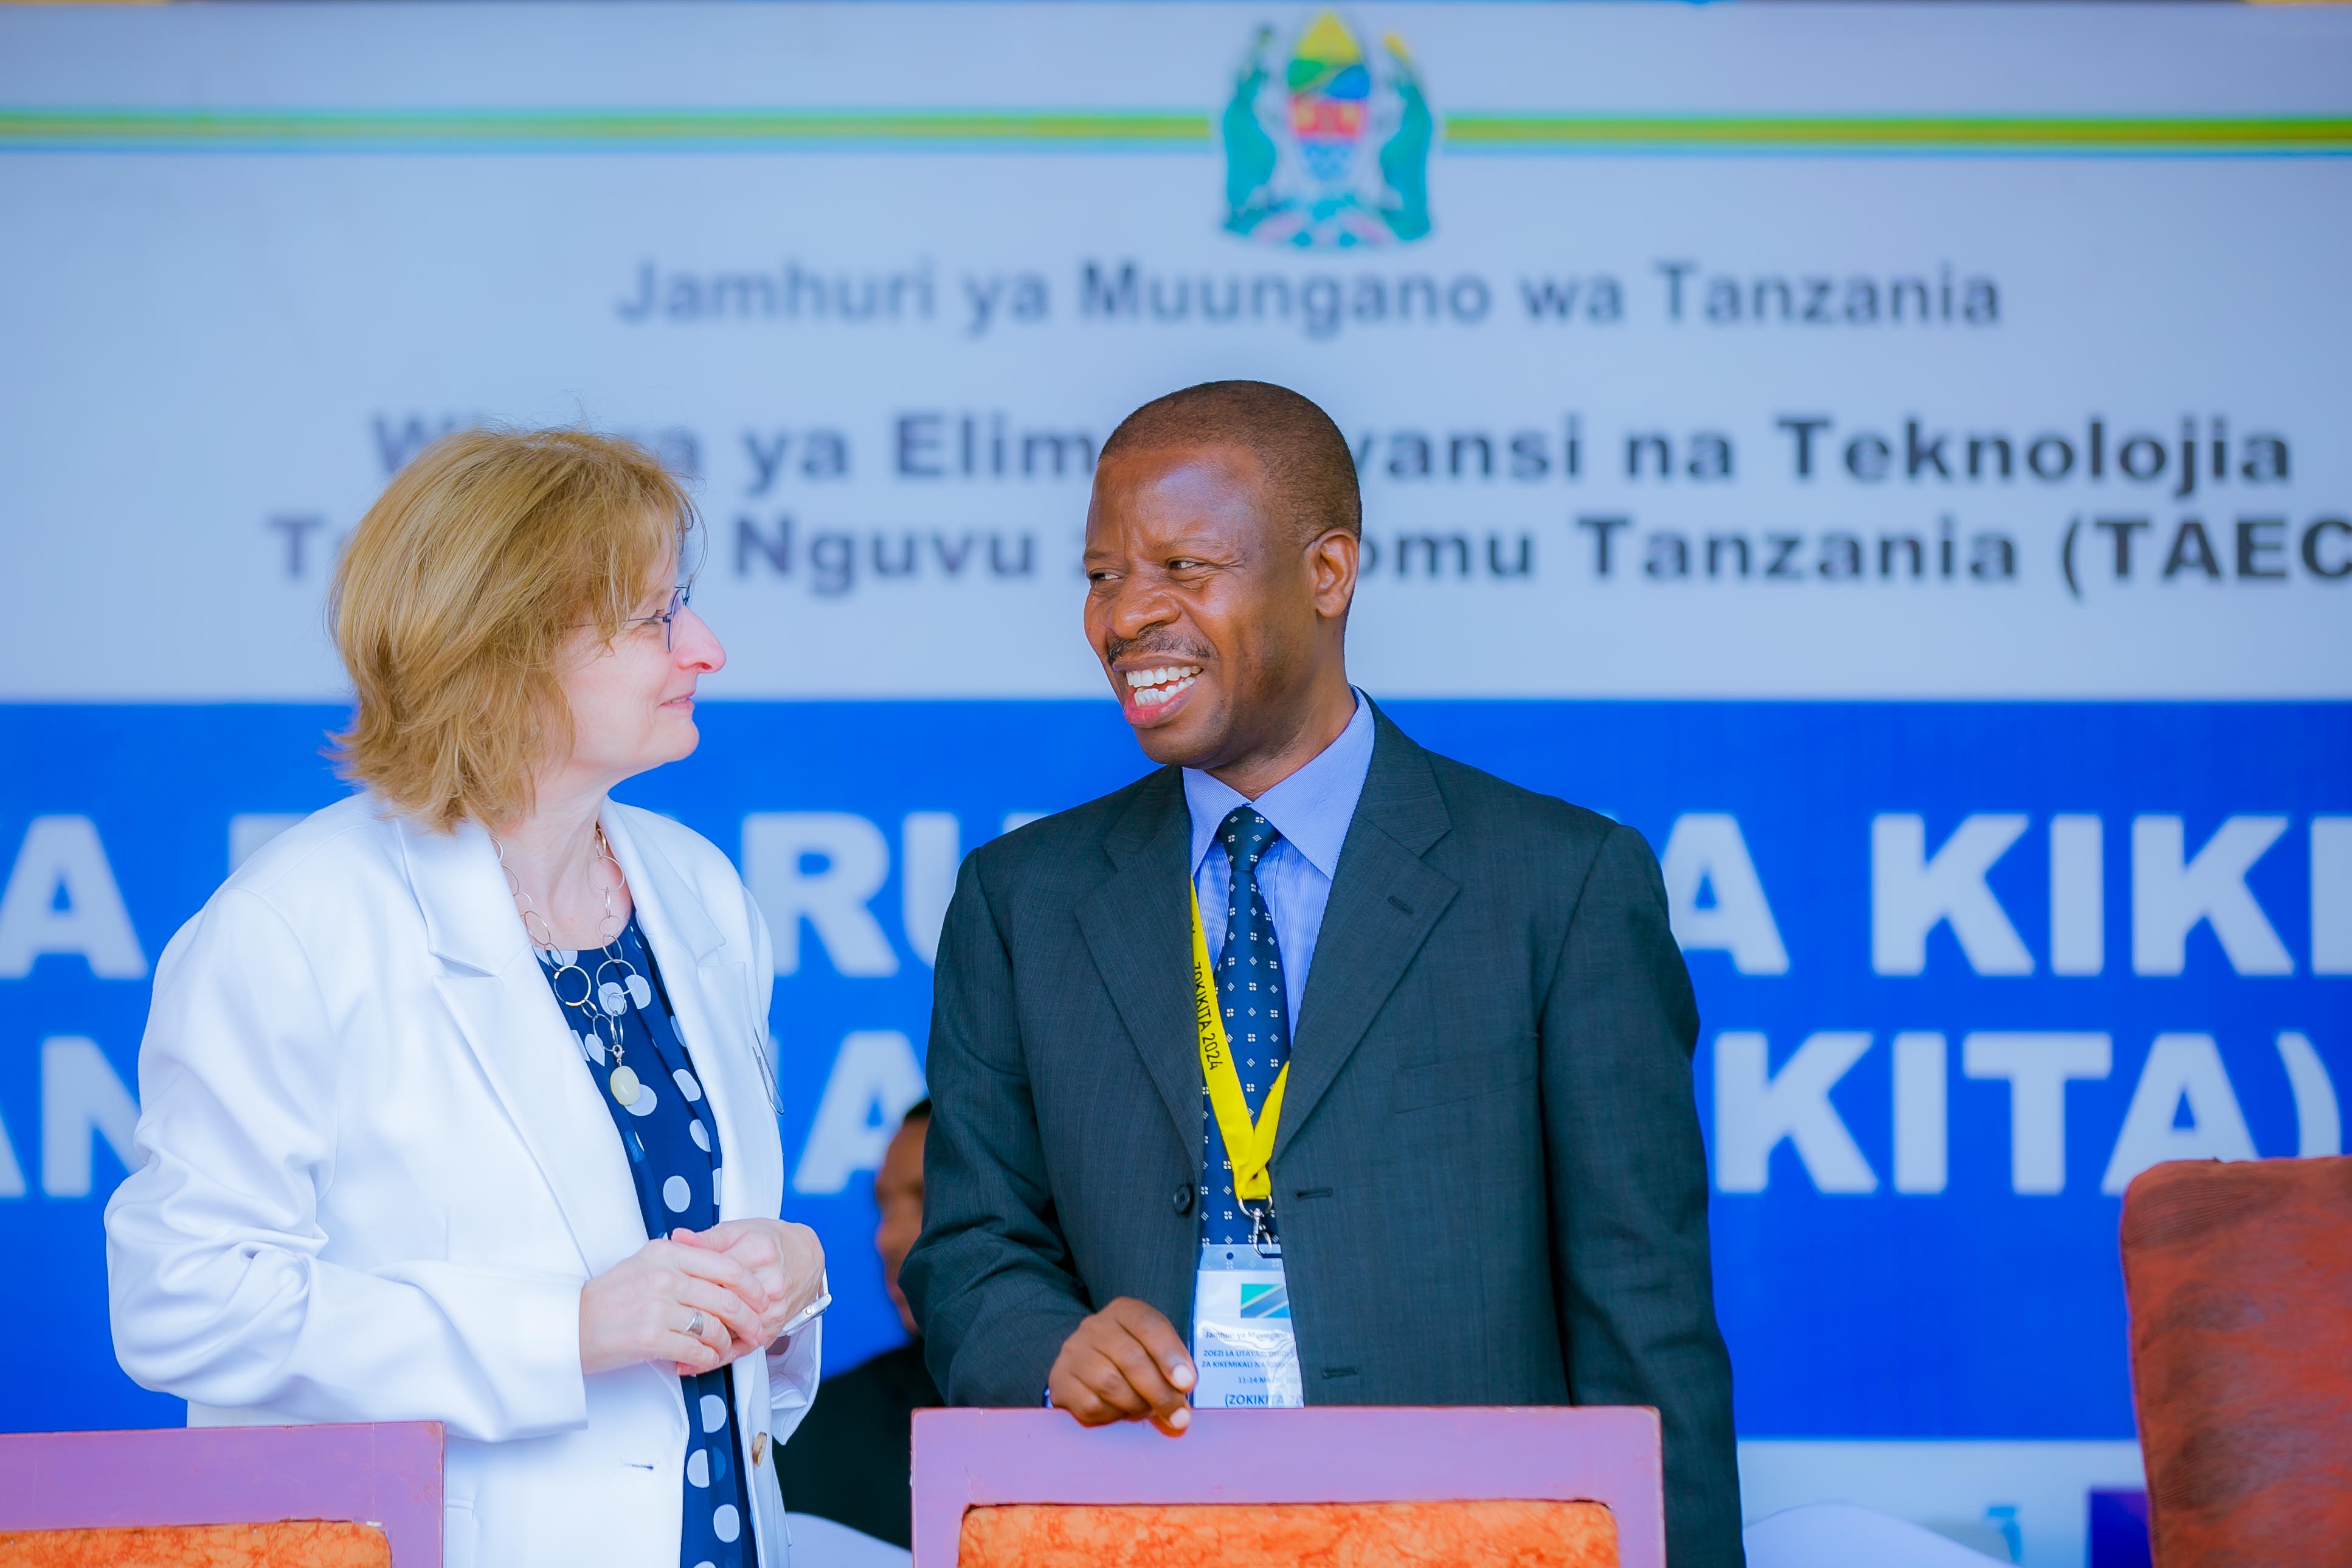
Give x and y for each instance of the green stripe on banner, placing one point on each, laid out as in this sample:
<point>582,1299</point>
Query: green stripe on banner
<point>1530,132</point>
<point>524,130</point>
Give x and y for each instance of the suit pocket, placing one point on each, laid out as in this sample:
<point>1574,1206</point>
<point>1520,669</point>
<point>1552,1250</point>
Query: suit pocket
<point>1491,1070</point>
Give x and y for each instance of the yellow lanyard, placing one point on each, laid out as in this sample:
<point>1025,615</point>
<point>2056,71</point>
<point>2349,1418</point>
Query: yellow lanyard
<point>1249,1144</point>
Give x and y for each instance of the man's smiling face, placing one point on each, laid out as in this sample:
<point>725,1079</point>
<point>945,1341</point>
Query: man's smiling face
<point>1199,604</point>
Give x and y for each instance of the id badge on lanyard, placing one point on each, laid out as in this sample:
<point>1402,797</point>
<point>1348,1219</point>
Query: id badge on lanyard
<point>1243,1347</point>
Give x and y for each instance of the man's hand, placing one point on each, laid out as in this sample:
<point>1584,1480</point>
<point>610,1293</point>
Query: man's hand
<point>1124,1363</point>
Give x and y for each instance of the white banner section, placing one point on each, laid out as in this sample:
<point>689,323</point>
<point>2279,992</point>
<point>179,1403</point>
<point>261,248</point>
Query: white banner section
<point>1864,351</point>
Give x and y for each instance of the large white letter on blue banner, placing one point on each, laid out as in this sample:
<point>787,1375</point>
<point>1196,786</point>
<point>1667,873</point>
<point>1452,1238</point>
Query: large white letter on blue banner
<point>1755,1109</point>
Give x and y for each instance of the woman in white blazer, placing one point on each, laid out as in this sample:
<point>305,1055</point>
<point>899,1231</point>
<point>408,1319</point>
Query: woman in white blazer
<point>455,1105</point>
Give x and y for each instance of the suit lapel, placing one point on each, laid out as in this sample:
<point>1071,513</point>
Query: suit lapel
<point>710,988</point>
<point>1384,901</point>
<point>494,989</point>
<point>1137,928</point>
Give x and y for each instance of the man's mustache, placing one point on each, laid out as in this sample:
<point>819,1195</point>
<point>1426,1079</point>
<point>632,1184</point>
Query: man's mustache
<point>1118,648</point>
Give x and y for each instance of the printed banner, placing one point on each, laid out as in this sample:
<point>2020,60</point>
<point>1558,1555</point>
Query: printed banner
<point>1890,456</point>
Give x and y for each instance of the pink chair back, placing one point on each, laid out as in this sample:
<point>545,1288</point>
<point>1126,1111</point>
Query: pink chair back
<point>980,1458</point>
<point>387,1476</point>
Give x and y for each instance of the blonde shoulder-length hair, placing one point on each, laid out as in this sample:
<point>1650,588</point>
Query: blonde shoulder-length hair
<point>456,595</point>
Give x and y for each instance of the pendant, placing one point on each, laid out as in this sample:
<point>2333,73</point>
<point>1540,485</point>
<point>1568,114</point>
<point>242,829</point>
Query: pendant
<point>625,1086</point>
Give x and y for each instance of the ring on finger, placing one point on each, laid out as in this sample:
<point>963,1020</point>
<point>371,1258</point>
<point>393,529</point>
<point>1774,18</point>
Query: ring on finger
<point>693,1326</point>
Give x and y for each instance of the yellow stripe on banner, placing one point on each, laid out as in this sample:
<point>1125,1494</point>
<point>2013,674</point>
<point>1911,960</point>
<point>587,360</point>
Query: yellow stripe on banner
<point>529,131</point>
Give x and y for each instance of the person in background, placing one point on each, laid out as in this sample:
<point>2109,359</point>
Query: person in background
<point>454,1098</point>
<point>848,1461</point>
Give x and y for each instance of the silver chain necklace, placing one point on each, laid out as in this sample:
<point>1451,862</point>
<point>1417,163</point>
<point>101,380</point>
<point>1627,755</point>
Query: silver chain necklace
<point>605,994</point>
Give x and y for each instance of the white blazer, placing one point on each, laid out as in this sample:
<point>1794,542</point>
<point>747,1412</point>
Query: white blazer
<point>375,1173</point>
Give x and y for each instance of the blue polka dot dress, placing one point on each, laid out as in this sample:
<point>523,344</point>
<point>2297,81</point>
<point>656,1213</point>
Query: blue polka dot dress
<point>674,1160</point>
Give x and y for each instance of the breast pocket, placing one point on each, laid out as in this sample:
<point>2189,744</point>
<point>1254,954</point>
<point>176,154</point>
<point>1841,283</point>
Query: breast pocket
<point>1490,1070</point>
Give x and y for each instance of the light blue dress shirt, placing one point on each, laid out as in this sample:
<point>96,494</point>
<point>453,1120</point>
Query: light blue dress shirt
<point>1311,810</point>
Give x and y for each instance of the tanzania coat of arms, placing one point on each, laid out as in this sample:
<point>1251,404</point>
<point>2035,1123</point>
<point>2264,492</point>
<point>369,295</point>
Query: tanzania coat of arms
<point>1329,147</point>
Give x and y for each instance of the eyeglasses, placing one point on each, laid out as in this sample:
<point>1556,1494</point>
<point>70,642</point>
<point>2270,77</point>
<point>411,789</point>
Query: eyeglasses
<point>667,618</point>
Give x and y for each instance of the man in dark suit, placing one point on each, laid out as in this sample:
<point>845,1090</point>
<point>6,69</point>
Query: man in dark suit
<point>848,1460</point>
<point>1485,1184</point>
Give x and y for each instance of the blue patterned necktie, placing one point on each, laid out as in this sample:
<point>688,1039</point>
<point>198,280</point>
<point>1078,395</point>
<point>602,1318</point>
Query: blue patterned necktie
<point>1249,982</point>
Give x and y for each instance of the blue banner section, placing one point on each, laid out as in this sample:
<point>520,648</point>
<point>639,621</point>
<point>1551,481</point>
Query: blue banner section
<point>1964,969</point>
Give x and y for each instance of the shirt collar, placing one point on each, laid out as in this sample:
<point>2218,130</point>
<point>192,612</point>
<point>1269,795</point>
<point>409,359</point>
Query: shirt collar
<point>1312,808</point>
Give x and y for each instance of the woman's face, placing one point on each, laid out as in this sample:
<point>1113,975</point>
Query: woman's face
<point>632,699</point>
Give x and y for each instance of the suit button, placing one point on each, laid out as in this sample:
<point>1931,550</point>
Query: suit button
<point>1183,1198</point>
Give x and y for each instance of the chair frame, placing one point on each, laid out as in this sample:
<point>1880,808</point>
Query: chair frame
<point>387,1475</point>
<point>975,1459</point>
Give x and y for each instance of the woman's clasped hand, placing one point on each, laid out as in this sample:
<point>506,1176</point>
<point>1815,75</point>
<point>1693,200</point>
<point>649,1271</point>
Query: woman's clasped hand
<point>787,1260</point>
<point>700,1299</point>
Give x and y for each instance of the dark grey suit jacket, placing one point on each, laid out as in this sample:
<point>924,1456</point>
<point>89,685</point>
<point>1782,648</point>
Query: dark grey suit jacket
<point>1489,1175</point>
